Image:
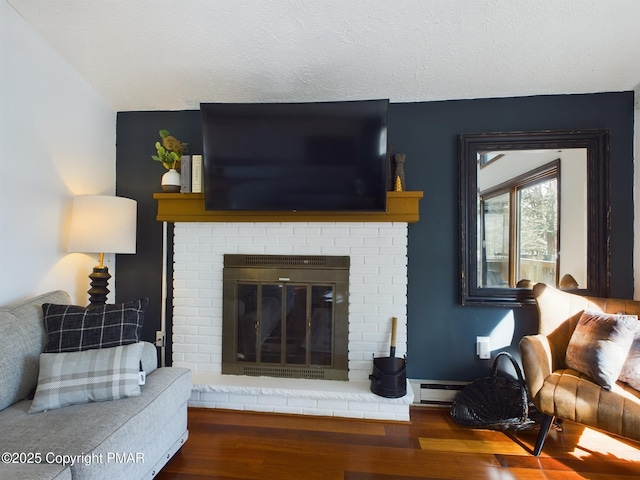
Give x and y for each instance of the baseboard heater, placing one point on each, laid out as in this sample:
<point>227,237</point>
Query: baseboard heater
<point>436,393</point>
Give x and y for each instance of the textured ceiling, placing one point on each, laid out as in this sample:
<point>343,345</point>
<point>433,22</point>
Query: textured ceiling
<point>174,54</point>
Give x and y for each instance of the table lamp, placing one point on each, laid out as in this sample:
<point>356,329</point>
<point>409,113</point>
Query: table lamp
<point>102,224</point>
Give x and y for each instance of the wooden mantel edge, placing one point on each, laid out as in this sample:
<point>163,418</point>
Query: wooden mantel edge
<point>189,207</point>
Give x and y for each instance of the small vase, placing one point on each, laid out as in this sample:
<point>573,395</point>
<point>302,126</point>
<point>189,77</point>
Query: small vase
<point>399,182</point>
<point>171,181</point>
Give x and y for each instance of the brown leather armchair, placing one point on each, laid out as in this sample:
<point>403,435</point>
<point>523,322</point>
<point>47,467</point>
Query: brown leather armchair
<point>558,391</point>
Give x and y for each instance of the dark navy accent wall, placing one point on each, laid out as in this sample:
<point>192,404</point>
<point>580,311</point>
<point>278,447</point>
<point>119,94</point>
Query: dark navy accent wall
<point>138,177</point>
<point>441,332</point>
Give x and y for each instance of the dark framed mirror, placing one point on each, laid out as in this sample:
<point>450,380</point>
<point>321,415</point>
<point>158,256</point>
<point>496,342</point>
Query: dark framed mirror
<point>534,207</point>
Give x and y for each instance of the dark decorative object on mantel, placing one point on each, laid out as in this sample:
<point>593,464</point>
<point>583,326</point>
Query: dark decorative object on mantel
<point>399,179</point>
<point>389,180</point>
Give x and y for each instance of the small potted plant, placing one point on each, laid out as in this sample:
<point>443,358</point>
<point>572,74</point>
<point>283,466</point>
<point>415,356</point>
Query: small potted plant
<point>169,153</point>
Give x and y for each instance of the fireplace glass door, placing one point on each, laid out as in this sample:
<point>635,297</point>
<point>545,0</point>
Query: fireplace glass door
<point>285,322</point>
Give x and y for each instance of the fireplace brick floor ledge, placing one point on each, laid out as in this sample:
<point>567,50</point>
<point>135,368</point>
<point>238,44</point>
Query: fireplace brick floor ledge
<point>351,399</point>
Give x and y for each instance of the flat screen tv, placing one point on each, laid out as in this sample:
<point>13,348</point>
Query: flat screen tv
<point>327,156</point>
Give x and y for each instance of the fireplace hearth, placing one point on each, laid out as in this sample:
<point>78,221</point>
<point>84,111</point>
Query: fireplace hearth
<point>377,283</point>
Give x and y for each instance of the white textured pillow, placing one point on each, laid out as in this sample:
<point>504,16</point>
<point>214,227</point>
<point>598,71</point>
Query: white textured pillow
<point>71,378</point>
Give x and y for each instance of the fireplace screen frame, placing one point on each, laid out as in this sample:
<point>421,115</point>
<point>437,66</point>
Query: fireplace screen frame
<point>285,271</point>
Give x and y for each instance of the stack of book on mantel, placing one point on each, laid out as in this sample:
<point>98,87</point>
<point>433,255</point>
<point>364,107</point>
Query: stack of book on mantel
<point>191,174</point>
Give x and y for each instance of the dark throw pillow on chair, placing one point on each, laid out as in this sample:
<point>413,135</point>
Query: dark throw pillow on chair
<point>630,373</point>
<point>71,328</point>
<point>600,344</point>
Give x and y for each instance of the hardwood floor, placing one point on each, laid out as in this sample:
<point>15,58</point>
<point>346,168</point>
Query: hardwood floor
<point>228,445</point>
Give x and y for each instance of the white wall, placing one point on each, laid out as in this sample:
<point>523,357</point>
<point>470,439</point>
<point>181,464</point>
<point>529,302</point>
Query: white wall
<point>58,140</point>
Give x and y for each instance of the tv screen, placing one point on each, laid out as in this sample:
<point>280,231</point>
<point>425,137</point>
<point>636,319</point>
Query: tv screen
<point>295,156</point>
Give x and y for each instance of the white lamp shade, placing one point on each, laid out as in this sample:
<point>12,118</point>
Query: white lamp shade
<point>103,224</point>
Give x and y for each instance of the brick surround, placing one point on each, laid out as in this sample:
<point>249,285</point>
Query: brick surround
<point>377,292</point>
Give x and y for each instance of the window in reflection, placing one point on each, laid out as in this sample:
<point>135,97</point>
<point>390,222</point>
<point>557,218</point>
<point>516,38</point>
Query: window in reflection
<point>537,226</point>
<point>518,229</point>
<point>495,234</point>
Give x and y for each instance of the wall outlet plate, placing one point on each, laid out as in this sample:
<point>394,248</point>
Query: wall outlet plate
<point>483,347</point>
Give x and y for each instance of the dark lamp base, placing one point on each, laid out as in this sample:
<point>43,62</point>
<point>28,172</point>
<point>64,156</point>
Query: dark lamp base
<point>99,291</point>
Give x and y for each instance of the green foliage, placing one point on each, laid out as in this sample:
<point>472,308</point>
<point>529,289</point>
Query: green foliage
<point>169,150</point>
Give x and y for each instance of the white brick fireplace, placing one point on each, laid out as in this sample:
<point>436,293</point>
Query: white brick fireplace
<point>377,292</point>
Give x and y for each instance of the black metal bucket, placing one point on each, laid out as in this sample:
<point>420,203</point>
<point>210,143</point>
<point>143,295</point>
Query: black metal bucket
<point>389,377</point>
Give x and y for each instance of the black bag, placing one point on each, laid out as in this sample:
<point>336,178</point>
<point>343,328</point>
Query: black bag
<point>495,402</point>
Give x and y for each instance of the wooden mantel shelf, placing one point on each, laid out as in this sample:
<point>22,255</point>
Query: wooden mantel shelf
<point>189,207</point>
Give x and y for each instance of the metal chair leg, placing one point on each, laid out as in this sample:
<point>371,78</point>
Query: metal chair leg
<point>547,421</point>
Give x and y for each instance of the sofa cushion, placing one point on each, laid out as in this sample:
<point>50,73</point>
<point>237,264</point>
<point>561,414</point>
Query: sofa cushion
<point>98,428</point>
<point>600,344</point>
<point>22,338</point>
<point>630,373</point>
<point>15,345</point>
<point>71,328</point>
<point>71,378</point>
<point>574,396</point>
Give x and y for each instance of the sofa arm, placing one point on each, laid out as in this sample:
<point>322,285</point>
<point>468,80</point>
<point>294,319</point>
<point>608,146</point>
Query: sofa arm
<point>537,362</point>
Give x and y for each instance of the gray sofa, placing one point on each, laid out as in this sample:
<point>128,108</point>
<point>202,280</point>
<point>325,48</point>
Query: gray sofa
<point>129,438</point>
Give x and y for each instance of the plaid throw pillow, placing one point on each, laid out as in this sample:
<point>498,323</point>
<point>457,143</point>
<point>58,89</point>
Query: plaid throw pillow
<point>71,328</point>
<point>79,377</point>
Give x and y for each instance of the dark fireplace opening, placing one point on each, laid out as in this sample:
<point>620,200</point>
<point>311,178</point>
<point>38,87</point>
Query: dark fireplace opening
<point>285,316</point>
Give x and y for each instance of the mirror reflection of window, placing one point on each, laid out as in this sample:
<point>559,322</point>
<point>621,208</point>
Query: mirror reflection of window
<point>494,258</point>
<point>519,228</point>
<point>537,226</point>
